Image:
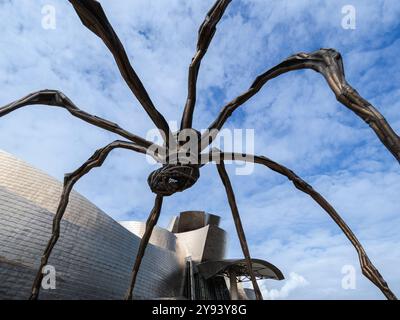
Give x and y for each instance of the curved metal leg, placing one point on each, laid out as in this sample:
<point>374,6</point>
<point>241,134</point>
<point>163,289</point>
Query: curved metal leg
<point>55,98</point>
<point>329,63</point>
<point>94,18</point>
<point>368,269</point>
<point>69,180</point>
<point>150,223</point>
<point>205,35</point>
<point>238,224</point>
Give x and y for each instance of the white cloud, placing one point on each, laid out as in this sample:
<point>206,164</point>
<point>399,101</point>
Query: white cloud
<point>291,284</point>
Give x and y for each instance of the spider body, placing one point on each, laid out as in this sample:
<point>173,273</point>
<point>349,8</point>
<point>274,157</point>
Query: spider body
<point>180,155</point>
<point>182,164</point>
<point>172,178</point>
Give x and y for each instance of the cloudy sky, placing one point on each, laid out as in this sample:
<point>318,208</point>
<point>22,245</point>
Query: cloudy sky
<point>296,119</point>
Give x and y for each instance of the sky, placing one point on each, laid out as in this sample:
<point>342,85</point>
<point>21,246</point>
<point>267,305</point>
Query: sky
<point>295,118</point>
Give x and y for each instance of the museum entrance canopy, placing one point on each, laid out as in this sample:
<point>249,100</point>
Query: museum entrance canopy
<point>262,269</point>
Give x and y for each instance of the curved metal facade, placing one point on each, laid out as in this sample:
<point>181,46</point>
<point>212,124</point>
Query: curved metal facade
<point>160,237</point>
<point>94,255</point>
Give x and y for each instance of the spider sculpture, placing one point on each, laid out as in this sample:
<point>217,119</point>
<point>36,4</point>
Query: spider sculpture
<point>175,176</point>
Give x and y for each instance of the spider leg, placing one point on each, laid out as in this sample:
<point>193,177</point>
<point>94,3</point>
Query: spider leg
<point>55,98</point>
<point>329,63</point>
<point>205,34</point>
<point>238,224</point>
<point>150,223</point>
<point>96,160</point>
<point>94,18</point>
<point>368,269</point>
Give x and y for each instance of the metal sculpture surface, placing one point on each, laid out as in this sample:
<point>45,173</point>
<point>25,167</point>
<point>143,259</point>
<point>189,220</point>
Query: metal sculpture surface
<point>176,176</point>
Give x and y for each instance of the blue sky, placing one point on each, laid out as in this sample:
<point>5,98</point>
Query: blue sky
<point>296,119</point>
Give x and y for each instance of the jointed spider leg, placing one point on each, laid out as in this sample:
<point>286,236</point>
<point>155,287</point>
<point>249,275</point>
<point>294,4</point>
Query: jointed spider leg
<point>329,63</point>
<point>238,224</point>
<point>368,269</point>
<point>94,18</point>
<point>58,99</point>
<point>150,223</point>
<point>96,160</point>
<point>205,34</point>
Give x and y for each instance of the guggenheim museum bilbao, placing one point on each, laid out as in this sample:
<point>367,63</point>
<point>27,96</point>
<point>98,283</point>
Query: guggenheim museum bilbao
<point>94,256</point>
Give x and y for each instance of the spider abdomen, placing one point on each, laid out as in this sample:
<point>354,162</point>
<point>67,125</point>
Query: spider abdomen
<point>172,178</point>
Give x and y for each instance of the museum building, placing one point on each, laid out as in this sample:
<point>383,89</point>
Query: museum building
<point>94,255</point>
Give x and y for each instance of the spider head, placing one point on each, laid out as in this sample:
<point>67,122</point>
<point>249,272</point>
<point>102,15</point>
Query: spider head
<point>171,178</point>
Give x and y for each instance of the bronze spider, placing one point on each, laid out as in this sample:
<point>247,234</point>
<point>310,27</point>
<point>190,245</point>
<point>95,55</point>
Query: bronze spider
<point>175,176</point>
